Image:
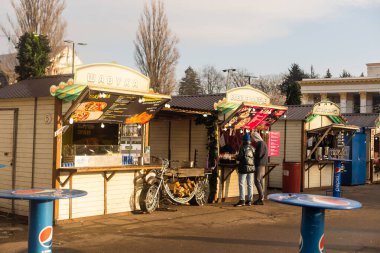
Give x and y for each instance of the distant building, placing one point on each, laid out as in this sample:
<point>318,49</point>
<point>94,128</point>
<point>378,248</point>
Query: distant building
<point>62,64</point>
<point>353,95</point>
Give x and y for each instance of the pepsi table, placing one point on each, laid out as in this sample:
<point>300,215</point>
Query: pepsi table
<point>40,234</point>
<point>313,216</point>
<point>338,170</point>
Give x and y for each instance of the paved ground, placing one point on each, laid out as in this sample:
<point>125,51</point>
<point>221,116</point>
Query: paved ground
<point>213,228</point>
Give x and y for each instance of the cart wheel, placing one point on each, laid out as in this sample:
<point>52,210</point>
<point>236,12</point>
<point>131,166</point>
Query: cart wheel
<point>149,198</point>
<point>201,196</point>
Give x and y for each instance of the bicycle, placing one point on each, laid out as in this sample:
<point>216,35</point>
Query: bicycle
<point>171,185</point>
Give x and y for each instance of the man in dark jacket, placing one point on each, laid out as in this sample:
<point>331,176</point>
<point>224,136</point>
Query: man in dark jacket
<point>245,169</point>
<point>261,160</point>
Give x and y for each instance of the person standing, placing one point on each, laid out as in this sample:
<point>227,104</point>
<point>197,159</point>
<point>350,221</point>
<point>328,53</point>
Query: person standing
<point>246,168</point>
<point>261,160</point>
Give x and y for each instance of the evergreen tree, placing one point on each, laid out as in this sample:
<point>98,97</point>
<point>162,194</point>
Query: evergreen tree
<point>362,74</point>
<point>190,84</point>
<point>312,73</point>
<point>290,86</point>
<point>328,74</point>
<point>345,74</point>
<point>33,55</point>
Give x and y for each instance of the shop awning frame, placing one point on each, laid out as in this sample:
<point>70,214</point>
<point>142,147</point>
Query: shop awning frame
<point>270,116</point>
<point>114,92</point>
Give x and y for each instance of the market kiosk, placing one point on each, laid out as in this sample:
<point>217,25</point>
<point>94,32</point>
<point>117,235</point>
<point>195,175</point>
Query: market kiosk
<point>327,139</point>
<point>374,171</point>
<point>243,109</point>
<point>101,138</point>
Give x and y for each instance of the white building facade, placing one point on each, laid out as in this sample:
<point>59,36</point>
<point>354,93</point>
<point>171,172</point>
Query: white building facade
<point>353,95</point>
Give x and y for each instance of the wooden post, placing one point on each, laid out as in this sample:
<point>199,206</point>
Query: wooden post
<point>57,151</point>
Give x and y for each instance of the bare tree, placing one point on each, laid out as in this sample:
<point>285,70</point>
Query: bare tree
<point>8,63</point>
<point>270,84</point>
<point>39,16</point>
<point>239,78</point>
<point>156,54</point>
<point>212,81</point>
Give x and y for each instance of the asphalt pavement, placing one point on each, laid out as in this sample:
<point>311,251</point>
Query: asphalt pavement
<point>214,228</point>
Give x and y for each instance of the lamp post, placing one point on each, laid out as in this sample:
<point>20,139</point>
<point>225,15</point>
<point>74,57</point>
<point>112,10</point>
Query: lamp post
<point>230,70</point>
<point>249,78</point>
<point>73,51</point>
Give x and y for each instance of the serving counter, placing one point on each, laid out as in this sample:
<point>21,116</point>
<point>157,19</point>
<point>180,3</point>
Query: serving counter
<point>228,175</point>
<point>105,196</point>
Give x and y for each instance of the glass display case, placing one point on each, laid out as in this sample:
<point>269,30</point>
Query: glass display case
<point>91,155</point>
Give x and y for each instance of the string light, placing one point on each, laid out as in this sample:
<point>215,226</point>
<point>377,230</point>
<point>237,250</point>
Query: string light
<point>71,121</point>
<point>102,125</point>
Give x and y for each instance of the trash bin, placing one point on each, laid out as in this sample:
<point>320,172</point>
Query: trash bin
<point>291,177</point>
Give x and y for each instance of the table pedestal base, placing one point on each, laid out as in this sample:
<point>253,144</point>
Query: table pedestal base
<point>312,230</point>
<point>40,235</point>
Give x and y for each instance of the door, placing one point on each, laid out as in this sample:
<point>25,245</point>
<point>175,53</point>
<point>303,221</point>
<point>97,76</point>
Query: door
<point>8,137</point>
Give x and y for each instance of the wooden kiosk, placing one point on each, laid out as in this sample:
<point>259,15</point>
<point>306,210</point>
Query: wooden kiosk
<point>244,109</point>
<point>326,138</point>
<point>102,138</point>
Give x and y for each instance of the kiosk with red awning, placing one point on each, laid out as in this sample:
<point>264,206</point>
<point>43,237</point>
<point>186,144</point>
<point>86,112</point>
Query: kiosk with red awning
<point>244,109</point>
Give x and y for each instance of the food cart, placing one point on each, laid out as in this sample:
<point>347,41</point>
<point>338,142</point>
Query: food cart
<point>328,138</point>
<point>243,109</point>
<point>102,138</point>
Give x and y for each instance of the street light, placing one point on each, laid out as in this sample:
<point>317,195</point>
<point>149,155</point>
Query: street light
<point>73,51</point>
<point>228,75</point>
<point>249,78</point>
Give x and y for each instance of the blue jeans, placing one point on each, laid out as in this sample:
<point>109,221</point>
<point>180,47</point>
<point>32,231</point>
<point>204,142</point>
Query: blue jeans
<point>249,178</point>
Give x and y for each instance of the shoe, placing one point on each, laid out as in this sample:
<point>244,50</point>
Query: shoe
<point>258,202</point>
<point>240,203</point>
<point>248,203</point>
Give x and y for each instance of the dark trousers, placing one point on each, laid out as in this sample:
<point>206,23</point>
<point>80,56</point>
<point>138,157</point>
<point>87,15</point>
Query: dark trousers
<point>259,182</point>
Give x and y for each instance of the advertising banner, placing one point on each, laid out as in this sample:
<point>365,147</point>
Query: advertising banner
<point>274,144</point>
<point>117,108</point>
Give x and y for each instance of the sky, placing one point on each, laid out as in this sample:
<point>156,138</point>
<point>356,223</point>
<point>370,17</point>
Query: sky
<point>262,37</point>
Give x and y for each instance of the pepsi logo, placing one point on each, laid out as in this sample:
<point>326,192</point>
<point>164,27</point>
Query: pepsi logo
<point>330,201</point>
<point>322,243</point>
<point>46,237</point>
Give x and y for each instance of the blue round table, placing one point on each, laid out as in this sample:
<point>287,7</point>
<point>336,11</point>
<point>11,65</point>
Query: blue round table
<point>40,234</point>
<point>313,216</point>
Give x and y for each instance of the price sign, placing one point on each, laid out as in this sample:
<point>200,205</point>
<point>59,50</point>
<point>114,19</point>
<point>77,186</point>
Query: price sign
<point>274,144</point>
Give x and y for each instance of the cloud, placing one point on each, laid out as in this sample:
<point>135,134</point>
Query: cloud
<point>233,22</point>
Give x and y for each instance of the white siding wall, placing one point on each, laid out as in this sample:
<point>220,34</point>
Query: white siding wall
<point>231,185</point>
<point>292,150</point>
<point>316,178</point>
<point>159,138</point>
<point>6,145</point>
<point>122,194</point>
<point>44,144</point>
<point>275,177</point>
<point>179,143</point>
<point>199,143</point>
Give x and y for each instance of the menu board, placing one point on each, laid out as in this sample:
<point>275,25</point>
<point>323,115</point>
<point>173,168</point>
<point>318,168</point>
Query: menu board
<point>117,108</point>
<point>253,117</point>
<point>274,144</point>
